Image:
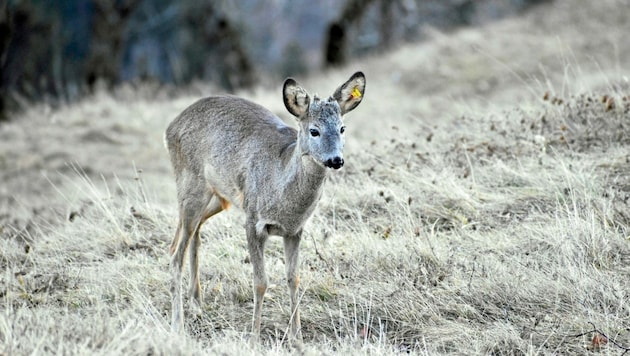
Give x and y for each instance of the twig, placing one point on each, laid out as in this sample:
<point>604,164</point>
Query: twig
<point>321,257</point>
<point>626,350</point>
<point>472,272</point>
<point>613,341</point>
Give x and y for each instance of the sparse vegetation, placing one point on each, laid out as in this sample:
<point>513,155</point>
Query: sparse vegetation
<point>484,208</point>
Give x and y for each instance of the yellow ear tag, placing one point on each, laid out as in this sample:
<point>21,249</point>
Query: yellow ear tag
<point>355,93</point>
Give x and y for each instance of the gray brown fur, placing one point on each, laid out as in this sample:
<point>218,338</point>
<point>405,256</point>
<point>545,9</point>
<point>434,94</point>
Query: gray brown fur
<point>227,150</point>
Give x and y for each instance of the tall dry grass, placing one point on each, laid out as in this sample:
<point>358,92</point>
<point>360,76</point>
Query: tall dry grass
<point>483,209</point>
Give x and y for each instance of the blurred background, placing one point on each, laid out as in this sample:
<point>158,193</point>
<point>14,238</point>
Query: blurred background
<point>59,50</point>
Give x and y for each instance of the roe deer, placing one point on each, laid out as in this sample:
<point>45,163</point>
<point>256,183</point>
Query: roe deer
<point>229,151</point>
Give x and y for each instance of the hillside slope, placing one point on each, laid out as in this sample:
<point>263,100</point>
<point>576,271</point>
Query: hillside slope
<point>484,208</point>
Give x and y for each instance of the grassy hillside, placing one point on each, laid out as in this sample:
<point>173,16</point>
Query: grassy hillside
<point>484,208</point>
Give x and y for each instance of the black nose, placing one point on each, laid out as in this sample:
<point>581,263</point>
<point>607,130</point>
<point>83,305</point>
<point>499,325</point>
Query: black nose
<point>335,163</point>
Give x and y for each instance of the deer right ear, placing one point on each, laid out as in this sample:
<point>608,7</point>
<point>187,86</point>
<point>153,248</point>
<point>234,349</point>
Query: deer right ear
<point>350,93</point>
<point>295,98</point>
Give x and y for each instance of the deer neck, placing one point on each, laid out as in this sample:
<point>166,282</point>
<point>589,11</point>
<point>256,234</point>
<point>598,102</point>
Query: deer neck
<point>303,173</point>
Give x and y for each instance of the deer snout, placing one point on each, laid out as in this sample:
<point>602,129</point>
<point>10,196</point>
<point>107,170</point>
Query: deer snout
<point>335,162</point>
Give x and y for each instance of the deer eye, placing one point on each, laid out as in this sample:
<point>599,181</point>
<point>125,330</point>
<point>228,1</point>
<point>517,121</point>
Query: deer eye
<point>314,132</point>
<point>342,130</point>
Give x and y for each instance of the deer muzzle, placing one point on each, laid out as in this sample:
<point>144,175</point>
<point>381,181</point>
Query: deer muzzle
<point>335,162</point>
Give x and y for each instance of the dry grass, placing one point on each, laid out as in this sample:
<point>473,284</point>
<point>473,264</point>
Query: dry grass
<point>484,209</point>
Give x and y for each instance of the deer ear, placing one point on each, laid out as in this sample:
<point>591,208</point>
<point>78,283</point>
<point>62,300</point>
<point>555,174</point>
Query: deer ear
<point>350,93</point>
<point>296,99</point>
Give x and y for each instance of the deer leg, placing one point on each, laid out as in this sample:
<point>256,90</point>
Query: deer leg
<point>191,213</point>
<point>175,241</point>
<point>291,261</point>
<point>184,232</point>
<point>256,244</point>
<point>195,286</point>
<point>196,300</point>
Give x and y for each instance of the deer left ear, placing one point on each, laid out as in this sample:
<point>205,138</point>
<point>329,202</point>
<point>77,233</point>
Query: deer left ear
<point>350,93</point>
<point>295,98</point>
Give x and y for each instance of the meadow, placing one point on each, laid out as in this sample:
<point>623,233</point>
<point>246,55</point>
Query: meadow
<point>484,208</point>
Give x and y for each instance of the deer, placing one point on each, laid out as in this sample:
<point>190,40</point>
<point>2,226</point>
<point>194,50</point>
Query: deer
<point>228,151</point>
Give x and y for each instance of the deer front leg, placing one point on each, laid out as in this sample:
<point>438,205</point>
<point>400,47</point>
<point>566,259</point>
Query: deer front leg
<point>291,257</point>
<point>256,244</point>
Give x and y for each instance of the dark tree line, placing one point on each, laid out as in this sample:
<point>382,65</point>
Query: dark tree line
<point>106,47</point>
<point>40,59</point>
<point>61,50</point>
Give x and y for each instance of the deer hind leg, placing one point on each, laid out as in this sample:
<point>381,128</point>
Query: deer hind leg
<point>215,206</point>
<point>192,206</point>
<point>256,244</point>
<point>291,260</point>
